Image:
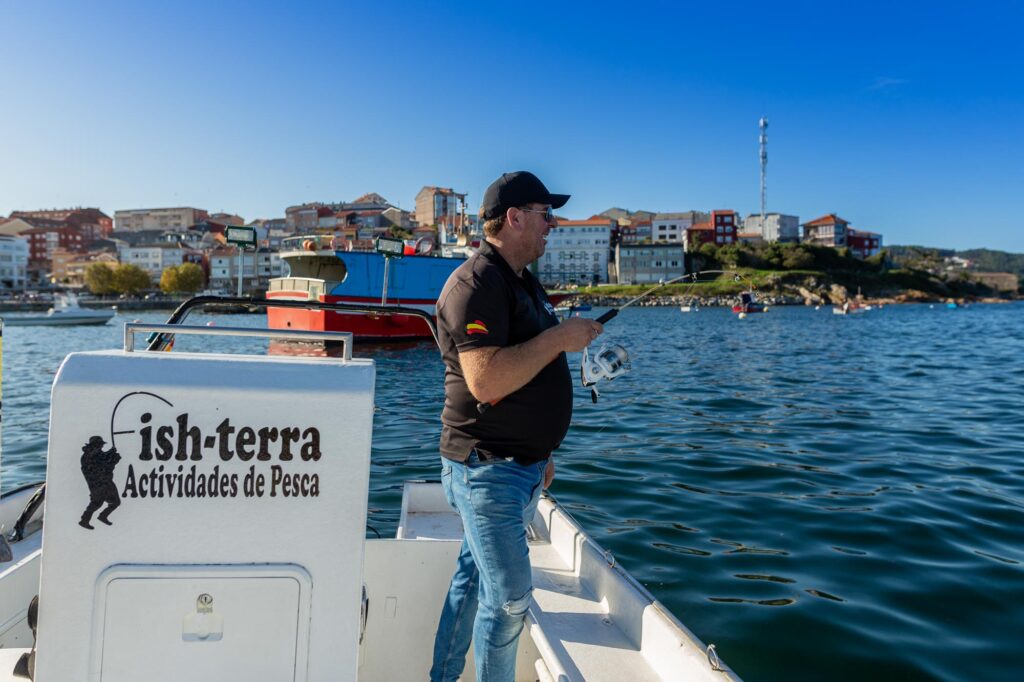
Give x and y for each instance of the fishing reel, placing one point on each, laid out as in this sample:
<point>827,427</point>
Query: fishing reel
<point>606,364</point>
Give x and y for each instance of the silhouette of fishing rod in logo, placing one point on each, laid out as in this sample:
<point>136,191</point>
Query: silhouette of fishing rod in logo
<point>98,468</point>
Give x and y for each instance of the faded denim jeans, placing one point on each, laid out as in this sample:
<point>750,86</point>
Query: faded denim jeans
<point>492,586</point>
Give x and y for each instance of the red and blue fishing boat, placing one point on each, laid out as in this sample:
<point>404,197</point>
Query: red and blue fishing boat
<point>748,304</point>
<point>321,269</point>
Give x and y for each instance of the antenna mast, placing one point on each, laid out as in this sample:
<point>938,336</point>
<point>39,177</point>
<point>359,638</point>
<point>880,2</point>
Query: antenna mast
<point>763,124</point>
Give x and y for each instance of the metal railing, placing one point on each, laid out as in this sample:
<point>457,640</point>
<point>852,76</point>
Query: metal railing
<point>133,328</point>
<point>161,339</point>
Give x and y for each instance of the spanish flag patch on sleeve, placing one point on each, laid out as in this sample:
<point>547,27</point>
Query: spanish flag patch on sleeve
<point>476,327</point>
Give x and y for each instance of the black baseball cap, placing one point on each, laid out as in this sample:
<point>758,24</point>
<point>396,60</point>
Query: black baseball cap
<point>516,189</point>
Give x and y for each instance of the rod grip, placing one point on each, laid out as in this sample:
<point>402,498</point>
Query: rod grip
<point>608,315</point>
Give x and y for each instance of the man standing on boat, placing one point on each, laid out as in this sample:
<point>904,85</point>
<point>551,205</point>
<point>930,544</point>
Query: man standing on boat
<point>508,404</point>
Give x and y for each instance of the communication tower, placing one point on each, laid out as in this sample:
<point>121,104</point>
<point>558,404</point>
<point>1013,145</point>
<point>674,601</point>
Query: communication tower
<point>764,168</point>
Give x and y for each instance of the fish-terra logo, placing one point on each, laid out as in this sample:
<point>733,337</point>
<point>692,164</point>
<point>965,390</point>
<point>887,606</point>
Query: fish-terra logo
<point>476,327</point>
<point>172,453</point>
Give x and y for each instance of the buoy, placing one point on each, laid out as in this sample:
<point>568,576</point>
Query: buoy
<point>742,316</point>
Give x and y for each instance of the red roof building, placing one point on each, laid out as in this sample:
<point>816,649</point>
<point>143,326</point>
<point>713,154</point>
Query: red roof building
<point>700,233</point>
<point>726,224</point>
<point>828,230</point>
<point>862,243</point>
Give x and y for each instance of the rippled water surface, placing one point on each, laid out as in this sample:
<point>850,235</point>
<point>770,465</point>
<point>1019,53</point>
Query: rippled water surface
<point>823,497</point>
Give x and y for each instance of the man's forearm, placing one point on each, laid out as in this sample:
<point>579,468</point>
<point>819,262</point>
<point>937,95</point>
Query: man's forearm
<point>511,368</point>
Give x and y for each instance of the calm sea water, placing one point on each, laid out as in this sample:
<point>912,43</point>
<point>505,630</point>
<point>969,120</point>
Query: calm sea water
<point>823,497</point>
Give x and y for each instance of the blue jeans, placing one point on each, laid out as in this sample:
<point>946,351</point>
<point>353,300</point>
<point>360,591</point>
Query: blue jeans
<point>492,586</point>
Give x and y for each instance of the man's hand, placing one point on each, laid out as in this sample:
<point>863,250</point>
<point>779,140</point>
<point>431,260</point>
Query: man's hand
<point>578,332</point>
<point>549,472</point>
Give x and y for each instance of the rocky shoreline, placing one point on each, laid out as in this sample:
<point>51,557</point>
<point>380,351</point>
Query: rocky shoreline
<point>775,300</point>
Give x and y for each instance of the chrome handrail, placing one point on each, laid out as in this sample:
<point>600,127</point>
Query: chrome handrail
<point>133,328</point>
<point>182,311</point>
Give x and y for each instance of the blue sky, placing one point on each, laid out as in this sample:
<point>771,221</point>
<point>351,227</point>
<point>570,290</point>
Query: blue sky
<point>905,118</point>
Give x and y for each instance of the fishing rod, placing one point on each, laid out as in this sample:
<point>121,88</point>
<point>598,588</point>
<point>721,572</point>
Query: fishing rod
<point>612,361</point>
<point>692,276</point>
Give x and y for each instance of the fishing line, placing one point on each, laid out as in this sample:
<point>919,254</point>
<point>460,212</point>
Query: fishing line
<point>612,361</point>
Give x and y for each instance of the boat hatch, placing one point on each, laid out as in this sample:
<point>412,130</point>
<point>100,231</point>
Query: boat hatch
<point>205,516</point>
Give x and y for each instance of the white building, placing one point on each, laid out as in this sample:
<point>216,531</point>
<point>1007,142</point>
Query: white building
<point>153,258</point>
<point>158,218</point>
<point>268,264</point>
<point>777,227</point>
<point>648,263</point>
<point>13,262</point>
<point>256,267</point>
<point>576,253</point>
<point>671,227</point>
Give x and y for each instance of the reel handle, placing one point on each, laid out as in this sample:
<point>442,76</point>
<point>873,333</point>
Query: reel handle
<point>608,315</point>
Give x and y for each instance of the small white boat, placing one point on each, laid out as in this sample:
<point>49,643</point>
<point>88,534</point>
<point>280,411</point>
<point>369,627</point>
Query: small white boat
<point>236,547</point>
<point>65,312</point>
<point>688,309</point>
<point>849,308</point>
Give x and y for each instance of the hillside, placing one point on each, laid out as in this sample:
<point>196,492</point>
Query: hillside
<point>817,273</point>
<point>982,260</point>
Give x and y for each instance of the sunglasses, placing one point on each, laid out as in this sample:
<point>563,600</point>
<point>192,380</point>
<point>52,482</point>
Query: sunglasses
<point>549,213</point>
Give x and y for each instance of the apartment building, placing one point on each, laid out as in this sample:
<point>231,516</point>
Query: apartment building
<point>227,219</point>
<point>179,218</point>
<point>648,263</point>
<point>577,252</point>
<point>224,266</point>
<point>71,271</point>
<point>153,258</point>
<point>828,230</point>
<point>434,202</point>
<point>303,217</point>
<point>672,227</point>
<point>698,235</point>
<point>93,222</point>
<point>726,226</point>
<point>44,236</point>
<point>777,227</point>
<point>13,262</point>
<point>862,243</point>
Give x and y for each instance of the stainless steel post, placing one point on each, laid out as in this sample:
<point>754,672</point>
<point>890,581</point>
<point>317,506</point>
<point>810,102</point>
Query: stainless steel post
<point>241,266</point>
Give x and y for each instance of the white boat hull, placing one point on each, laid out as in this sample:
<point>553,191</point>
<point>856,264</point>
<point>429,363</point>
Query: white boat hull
<point>57,320</point>
<point>590,620</point>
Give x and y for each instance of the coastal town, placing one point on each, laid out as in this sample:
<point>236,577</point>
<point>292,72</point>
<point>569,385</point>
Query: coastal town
<point>46,249</point>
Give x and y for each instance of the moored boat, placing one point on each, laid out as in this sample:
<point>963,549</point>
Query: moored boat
<point>321,271</point>
<point>748,304</point>
<point>65,312</point>
<point>237,548</point>
<point>850,308</point>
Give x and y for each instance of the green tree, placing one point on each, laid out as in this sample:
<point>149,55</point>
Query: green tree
<point>185,278</point>
<point>797,259</point>
<point>191,278</point>
<point>169,280</point>
<point>130,279</point>
<point>99,278</point>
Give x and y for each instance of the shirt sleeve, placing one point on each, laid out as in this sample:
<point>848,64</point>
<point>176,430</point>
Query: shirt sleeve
<point>476,313</point>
